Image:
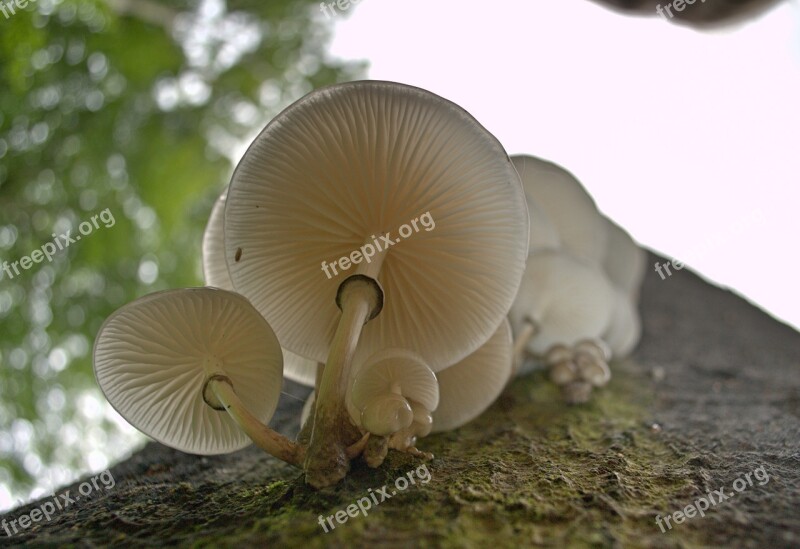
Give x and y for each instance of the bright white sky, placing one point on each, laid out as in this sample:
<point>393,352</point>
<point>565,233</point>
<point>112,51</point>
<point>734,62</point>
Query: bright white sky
<point>680,136</point>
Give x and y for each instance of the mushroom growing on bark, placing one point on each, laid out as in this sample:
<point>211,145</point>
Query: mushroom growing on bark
<point>468,388</point>
<point>392,396</point>
<point>333,180</point>
<point>624,262</point>
<point>196,369</point>
<point>561,311</point>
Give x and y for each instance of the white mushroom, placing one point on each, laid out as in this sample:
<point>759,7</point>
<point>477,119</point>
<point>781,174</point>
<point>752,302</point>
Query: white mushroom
<point>563,299</point>
<point>562,302</point>
<point>334,180</point>
<point>174,362</point>
<point>392,390</point>
<point>571,209</point>
<point>543,232</point>
<point>579,369</point>
<point>624,260</point>
<point>469,387</point>
<point>215,269</point>
<point>625,328</point>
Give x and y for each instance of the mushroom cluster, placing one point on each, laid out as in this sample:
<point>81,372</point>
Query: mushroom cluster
<point>339,170</point>
<point>577,304</point>
<point>416,338</point>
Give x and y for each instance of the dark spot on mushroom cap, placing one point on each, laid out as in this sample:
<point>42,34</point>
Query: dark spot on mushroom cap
<point>238,255</point>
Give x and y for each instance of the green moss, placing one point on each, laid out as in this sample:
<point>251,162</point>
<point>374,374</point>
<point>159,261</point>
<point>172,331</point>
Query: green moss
<point>531,469</point>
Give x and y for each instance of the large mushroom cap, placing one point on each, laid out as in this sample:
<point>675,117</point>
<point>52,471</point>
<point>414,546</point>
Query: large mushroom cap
<point>468,388</point>
<point>153,357</point>
<point>568,205</point>
<point>343,166</point>
<point>215,269</point>
<point>624,260</point>
<point>567,299</point>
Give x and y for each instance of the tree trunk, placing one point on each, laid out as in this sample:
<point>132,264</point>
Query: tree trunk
<point>711,396</point>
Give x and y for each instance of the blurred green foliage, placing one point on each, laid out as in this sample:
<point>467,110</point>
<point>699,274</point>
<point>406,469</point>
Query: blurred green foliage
<point>138,107</point>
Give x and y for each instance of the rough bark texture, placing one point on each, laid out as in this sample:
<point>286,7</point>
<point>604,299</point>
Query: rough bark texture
<point>711,394</point>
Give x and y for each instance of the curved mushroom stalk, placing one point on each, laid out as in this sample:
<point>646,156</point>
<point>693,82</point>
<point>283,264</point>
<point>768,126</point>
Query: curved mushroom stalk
<point>579,369</point>
<point>225,398</point>
<point>197,369</point>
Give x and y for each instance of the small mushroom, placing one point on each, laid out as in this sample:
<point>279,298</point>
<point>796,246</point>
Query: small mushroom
<point>215,269</point>
<point>196,369</point>
<point>392,390</point>
<point>469,387</point>
<point>571,209</point>
<point>332,181</point>
<point>578,369</point>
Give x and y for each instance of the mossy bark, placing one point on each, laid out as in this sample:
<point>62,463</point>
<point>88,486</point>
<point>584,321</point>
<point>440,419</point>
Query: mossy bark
<point>712,393</point>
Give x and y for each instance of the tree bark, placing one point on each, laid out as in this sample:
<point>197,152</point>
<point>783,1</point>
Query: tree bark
<point>711,395</point>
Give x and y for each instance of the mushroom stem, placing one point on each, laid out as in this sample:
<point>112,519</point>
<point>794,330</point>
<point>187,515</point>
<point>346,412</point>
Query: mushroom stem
<point>529,329</point>
<point>264,437</point>
<point>360,299</point>
<point>318,378</point>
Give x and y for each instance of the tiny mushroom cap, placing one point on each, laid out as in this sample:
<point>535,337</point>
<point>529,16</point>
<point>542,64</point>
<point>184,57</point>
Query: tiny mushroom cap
<point>155,358</point>
<point>565,299</point>
<point>215,269</point>
<point>390,390</point>
<point>384,180</point>
<point>570,208</point>
<point>625,329</point>
<point>468,388</point>
<point>624,260</point>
